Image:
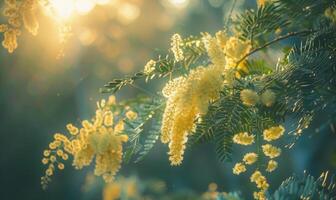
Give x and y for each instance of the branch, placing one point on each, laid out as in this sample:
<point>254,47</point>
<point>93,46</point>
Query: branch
<point>288,35</point>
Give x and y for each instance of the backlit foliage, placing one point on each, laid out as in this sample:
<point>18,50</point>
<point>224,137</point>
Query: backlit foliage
<point>220,90</point>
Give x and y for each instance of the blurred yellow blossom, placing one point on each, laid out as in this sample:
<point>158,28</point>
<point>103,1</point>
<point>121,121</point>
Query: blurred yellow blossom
<point>271,151</point>
<point>239,168</point>
<point>149,67</point>
<point>243,138</point>
<point>250,158</point>
<point>176,42</point>
<point>268,98</point>
<point>273,133</point>
<point>271,165</point>
<point>249,97</point>
<point>131,115</point>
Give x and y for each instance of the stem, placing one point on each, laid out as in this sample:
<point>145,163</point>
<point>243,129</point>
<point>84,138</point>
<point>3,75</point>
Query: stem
<point>143,90</point>
<point>288,35</point>
<point>230,13</point>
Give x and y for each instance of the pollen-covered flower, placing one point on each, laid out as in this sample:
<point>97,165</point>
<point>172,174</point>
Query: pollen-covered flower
<point>149,67</point>
<point>176,42</point>
<point>271,151</point>
<point>239,168</point>
<point>250,158</point>
<point>235,49</point>
<point>243,138</point>
<point>273,133</point>
<point>249,97</point>
<point>271,165</point>
<point>215,49</point>
<point>188,97</point>
<point>100,139</point>
<point>268,98</point>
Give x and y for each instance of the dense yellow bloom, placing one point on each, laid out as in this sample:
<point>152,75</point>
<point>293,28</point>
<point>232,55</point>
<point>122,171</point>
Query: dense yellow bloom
<point>215,49</point>
<point>273,133</point>
<point>243,138</point>
<point>97,139</point>
<point>176,42</point>
<point>250,158</point>
<point>188,97</point>
<point>226,51</point>
<point>271,151</point>
<point>249,97</point>
<point>239,168</point>
<point>149,67</point>
<point>268,98</point>
<point>235,49</point>
<point>271,165</point>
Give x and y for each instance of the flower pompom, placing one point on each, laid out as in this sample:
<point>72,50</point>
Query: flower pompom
<point>250,158</point>
<point>271,166</point>
<point>249,97</point>
<point>273,133</point>
<point>268,98</point>
<point>239,168</point>
<point>271,151</point>
<point>243,138</point>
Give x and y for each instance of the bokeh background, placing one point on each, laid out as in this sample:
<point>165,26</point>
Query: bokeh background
<point>41,92</point>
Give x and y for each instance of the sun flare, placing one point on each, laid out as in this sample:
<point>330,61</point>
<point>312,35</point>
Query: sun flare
<point>65,9</point>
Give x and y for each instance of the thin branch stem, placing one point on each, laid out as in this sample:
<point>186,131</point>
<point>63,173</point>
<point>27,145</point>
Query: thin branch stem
<point>230,13</point>
<point>143,90</point>
<point>288,35</point>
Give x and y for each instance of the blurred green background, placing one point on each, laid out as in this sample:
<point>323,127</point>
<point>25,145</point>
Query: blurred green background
<point>40,94</point>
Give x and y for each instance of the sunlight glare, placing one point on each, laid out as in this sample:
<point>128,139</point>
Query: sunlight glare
<point>179,3</point>
<point>63,8</point>
<point>84,6</point>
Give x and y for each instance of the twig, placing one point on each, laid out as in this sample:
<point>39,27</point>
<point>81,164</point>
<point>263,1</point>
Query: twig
<point>230,13</point>
<point>288,35</point>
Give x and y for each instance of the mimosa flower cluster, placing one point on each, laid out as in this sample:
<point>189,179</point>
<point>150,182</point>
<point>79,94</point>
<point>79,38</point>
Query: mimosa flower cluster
<point>176,42</point>
<point>226,51</point>
<point>188,96</point>
<point>101,138</point>
<point>251,98</point>
<point>269,151</point>
<point>18,13</point>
